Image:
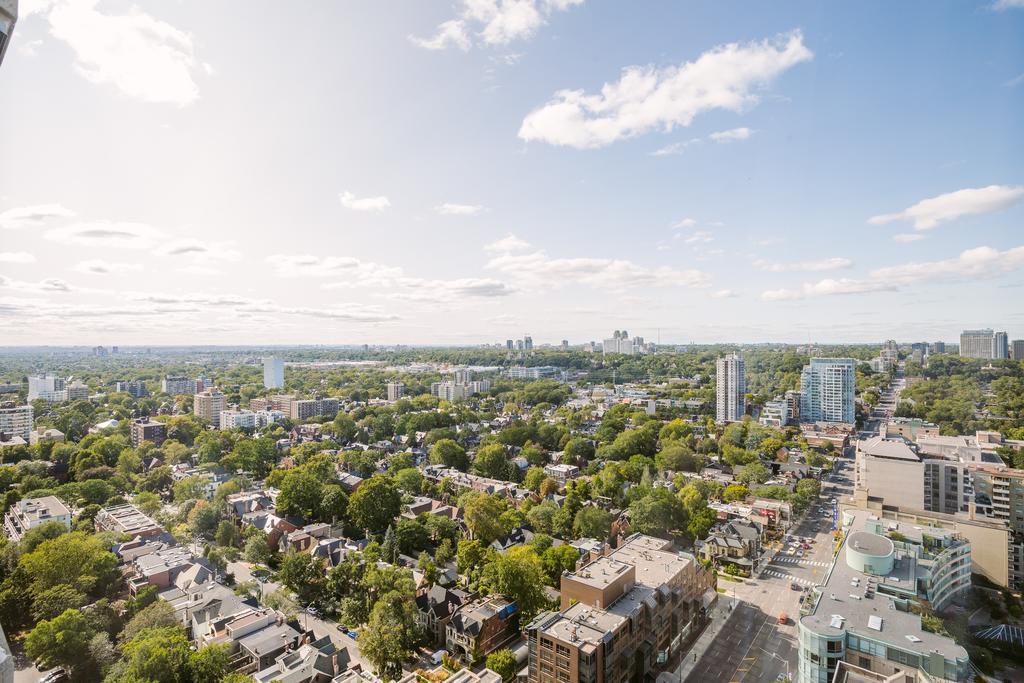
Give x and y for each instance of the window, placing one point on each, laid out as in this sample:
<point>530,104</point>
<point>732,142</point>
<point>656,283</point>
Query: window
<point>864,663</point>
<point>834,646</point>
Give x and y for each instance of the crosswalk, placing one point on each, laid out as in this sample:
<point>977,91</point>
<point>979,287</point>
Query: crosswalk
<point>779,575</point>
<point>783,559</point>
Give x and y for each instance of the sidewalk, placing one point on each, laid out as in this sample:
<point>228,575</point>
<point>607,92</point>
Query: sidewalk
<point>720,615</point>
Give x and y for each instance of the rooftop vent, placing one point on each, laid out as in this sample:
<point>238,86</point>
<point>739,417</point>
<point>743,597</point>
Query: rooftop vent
<point>875,623</point>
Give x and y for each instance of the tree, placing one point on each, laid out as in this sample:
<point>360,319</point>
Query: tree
<point>677,458</point>
<point>518,574</point>
<point>304,575</point>
<point>470,557</point>
<point>158,615</point>
<point>301,494</point>
<point>503,663</point>
<point>147,502</point>
<point>55,601</point>
<point>700,523</point>
<point>483,518</point>
<point>592,522</point>
<point>257,549</point>
<point>228,535</point>
<point>657,514</point>
<point>333,504</point>
<point>754,473</point>
<point>203,519</point>
<point>210,664</point>
<point>76,559</point>
<point>557,560</point>
<point>390,635</point>
<point>409,480</point>
<point>491,462</point>
<point>734,492</point>
<point>450,454</point>
<point>160,655</point>
<point>62,641</point>
<point>412,536</point>
<point>541,517</point>
<point>375,504</point>
<point>533,479</point>
<point>389,547</point>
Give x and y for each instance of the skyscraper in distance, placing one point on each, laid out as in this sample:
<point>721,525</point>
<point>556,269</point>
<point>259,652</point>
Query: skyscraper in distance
<point>273,373</point>
<point>8,17</point>
<point>1000,345</point>
<point>827,390</point>
<point>731,385</point>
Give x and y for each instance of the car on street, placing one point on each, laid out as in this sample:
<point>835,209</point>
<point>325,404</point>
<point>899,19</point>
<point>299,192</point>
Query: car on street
<point>55,676</point>
<point>795,586</point>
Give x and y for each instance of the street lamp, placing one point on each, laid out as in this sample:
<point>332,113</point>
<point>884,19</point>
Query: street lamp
<point>784,661</point>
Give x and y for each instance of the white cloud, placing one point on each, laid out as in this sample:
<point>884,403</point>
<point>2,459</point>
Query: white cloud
<point>103,233</point>
<point>32,216</point>
<point>145,58</point>
<point>600,272</point>
<point>359,273</point>
<point>17,257</point>
<point>834,263</point>
<point>350,201</point>
<point>684,223</point>
<point>101,267</point>
<point>199,251</point>
<point>725,294</point>
<point>674,149</point>
<point>1015,81</point>
<point>980,262</point>
<point>731,135</point>
<point>29,48</point>
<point>508,243</point>
<point>1000,5</point>
<point>928,213</point>
<point>450,291</point>
<point>647,98</point>
<point>448,209</point>
<point>699,237</point>
<point>908,237</point>
<point>493,22</point>
<point>51,284</point>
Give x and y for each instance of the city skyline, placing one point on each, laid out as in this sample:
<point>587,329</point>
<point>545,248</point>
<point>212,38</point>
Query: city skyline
<point>430,174</point>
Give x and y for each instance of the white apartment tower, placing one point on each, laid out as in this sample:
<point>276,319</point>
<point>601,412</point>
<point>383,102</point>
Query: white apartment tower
<point>273,373</point>
<point>396,390</point>
<point>731,379</point>
<point>827,389</point>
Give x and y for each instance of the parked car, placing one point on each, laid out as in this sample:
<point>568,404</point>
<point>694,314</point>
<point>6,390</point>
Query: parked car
<point>55,676</point>
<point>783,618</point>
<point>795,586</point>
<point>438,656</point>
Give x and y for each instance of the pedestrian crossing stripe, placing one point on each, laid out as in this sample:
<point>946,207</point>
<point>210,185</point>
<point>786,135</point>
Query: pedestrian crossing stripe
<point>794,560</point>
<point>779,575</point>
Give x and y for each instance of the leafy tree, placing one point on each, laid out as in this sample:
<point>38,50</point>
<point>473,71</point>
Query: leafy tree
<point>578,450</point>
<point>412,536</point>
<point>533,479</point>
<point>147,502</point>
<point>557,560</point>
<point>483,518</point>
<point>62,641</point>
<point>156,616</point>
<point>333,504</point>
<point>228,534</point>
<point>700,523</point>
<point>734,492</point>
<point>503,663</point>
<point>541,517</point>
<point>53,602</point>
<point>37,535</point>
<point>375,504</point>
<point>102,652</point>
<point>409,480</point>
<point>518,574</point>
<point>450,454</point>
<point>389,547</point>
<point>160,655</point>
<point>304,575</point>
<point>76,559</point>
<point>257,549</point>
<point>390,636</point>
<point>301,494</point>
<point>210,664</point>
<point>677,458</point>
<point>657,514</point>
<point>491,462</point>
<point>754,473</point>
<point>592,522</point>
<point>203,519</point>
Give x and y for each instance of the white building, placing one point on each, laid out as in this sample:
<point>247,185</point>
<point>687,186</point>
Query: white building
<point>775,413</point>
<point>982,344</point>
<point>180,385</point>
<point>619,343</point>
<point>731,382</point>
<point>16,420</point>
<point>827,390</point>
<point>273,373</point>
<point>243,419</point>
<point>31,512</point>
<point>47,388</point>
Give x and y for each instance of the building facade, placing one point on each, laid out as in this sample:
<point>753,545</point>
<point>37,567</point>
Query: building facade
<point>29,513</point>
<point>144,429</point>
<point>15,420</point>
<point>1017,349</point>
<point>273,373</point>
<point>827,390</point>
<point>981,343</point>
<point>731,388</point>
<point>396,390</point>
<point>208,405</point>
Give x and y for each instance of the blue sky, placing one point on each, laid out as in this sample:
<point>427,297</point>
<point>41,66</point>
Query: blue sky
<point>468,172</point>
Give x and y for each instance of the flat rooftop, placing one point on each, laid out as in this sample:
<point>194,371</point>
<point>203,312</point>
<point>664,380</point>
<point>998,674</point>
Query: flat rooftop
<point>890,449</point>
<point>837,610</point>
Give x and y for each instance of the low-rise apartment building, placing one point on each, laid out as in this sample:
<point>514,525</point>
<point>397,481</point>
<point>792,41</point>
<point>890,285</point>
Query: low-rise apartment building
<point>482,626</point>
<point>15,420</point>
<point>562,472</point>
<point>29,513</point>
<point>127,519</point>
<point>867,611</point>
<point>623,614</point>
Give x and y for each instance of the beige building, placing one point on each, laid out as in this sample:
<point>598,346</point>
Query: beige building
<point>990,539</point>
<point>208,404</point>
<point>623,614</point>
<point>909,428</point>
<point>15,420</point>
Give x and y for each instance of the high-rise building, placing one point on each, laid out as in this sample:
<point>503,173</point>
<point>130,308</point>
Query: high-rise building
<point>135,388</point>
<point>181,385</point>
<point>144,429</point>
<point>47,388</point>
<point>207,404</point>
<point>1017,349</point>
<point>1000,346</point>
<point>982,344</point>
<point>463,376</point>
<point>827,389</point>
<point>731,382</point>
<point>528,343</point>
<point>8,17</point>
<point>619,343</point>
<point>15,420</point>
<point>273,373</point>
<point>396,390</point>
<point>793,399</point>
<point>509,344</point>
<point>938,347</point>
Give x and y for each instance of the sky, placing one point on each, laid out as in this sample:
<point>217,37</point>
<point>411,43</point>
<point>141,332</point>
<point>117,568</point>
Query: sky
<point>469,171</point>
